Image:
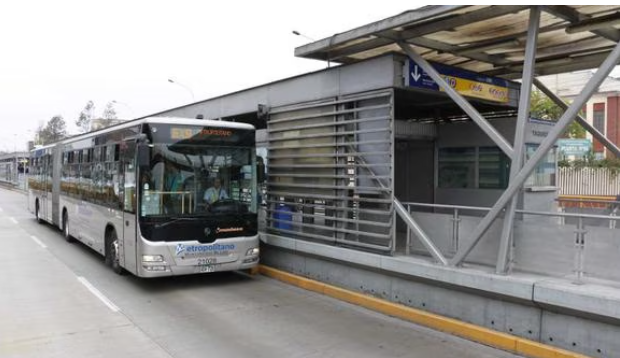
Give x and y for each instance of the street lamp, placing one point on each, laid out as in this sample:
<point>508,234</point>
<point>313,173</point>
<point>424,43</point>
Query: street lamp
<point>184,86</point>
<point>297,33</point>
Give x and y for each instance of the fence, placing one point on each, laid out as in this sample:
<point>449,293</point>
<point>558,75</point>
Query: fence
<point>566,244</point>
<point>588,182</point>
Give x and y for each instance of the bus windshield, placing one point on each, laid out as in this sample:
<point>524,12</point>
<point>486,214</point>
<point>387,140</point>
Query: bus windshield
<point>183,180</point>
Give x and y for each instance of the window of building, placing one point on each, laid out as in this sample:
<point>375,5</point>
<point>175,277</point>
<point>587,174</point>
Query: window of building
<point>457,167</point>
<point>599,117</point>
<point>493,168</point>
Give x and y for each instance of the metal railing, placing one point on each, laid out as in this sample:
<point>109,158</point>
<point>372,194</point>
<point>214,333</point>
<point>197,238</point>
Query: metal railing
<point>586,227</point>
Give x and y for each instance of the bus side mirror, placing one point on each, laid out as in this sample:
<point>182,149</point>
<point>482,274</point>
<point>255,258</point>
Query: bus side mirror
<point>144,157</point>
<point>260,172</point>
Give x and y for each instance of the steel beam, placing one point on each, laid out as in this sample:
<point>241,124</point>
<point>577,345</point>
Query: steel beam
<point>606,67</point>
<point>501,142</point>
<point>519,141</point>
<point>411,224</point>
<point>424,239</point>
<point>595,133</point>
<point>441,24</point>
<point>572,15</point>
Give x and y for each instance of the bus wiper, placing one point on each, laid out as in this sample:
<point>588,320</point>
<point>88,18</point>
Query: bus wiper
<point>173,220</point>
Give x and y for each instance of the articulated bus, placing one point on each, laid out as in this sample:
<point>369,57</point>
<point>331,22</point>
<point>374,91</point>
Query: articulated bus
<point>141,193</point>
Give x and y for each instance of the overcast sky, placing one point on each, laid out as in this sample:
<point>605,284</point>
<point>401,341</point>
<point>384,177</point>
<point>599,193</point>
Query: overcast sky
<point>57,55</point>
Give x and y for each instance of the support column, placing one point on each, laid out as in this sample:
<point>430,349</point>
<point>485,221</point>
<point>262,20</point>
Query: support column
<point>501,142</point>
<point>606,67</point>
<point>519,141</point>
<point>587,126</point>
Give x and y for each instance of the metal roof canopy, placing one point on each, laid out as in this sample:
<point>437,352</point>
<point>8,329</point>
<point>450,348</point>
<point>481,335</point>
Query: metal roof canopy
<point>489,39</point>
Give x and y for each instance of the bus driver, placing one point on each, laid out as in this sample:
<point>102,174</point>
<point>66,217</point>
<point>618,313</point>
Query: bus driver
<point>215,193</point>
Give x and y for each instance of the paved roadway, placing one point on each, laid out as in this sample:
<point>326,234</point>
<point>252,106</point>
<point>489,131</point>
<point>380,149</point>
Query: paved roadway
<point>49,308</point>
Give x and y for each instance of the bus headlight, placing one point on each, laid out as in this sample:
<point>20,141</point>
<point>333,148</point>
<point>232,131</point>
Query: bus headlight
<point>152,258</point>
<point>252,252</point>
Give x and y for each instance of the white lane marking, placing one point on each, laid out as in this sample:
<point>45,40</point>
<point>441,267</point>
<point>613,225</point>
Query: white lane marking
<point>98,294</point>
<point>39,242</point>
<point>14,221</point>
<point>0,210</point>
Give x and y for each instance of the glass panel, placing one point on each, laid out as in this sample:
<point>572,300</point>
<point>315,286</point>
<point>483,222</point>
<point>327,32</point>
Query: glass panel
<point>544,173</point>
<point>198,179</point>
<point>457,168</point>
<point>493,168</point>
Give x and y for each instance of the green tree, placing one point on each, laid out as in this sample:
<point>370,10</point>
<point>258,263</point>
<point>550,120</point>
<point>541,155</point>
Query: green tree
<point>54,130</point>
<point>542,107</point>
<point>85,117</point>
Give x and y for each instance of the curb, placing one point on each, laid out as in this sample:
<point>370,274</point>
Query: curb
<point>468,331</point>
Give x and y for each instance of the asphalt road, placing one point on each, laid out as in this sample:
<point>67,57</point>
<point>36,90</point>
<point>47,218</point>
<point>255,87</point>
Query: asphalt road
<point>60,300</point>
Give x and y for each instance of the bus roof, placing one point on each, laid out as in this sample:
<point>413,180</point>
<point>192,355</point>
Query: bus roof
<point>160,120</point>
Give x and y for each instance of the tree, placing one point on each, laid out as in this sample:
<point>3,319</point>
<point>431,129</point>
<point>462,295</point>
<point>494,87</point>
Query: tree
<point>54,131</point>
<point>86,116</point>
<point>542,107</point>
<point>109,114</point>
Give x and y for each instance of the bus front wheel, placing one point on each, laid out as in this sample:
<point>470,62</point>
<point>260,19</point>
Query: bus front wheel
<point>112,253</point>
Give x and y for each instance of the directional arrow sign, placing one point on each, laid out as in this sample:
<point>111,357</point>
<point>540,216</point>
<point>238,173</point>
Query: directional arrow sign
<point>416,76</point>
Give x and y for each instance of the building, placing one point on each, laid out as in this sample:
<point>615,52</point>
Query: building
<point>602,110</point>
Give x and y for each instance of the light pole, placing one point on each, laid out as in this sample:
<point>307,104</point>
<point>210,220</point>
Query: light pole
<point>184,86</point>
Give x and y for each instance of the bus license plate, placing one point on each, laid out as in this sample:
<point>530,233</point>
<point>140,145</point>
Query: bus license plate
<point>205,268</point>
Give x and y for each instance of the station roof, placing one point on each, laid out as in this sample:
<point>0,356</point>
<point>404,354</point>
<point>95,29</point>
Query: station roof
<point>488,39</point>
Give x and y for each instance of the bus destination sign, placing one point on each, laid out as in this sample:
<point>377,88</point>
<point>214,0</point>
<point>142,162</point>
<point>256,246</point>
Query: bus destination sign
<point>184,133</point>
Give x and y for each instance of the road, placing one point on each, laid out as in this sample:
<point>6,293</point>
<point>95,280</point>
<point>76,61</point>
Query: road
<point>60,300</point>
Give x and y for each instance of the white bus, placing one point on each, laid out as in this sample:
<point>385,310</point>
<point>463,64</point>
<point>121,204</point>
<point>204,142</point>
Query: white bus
<point>141,193</point>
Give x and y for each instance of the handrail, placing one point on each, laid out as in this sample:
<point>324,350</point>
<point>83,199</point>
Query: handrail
<point>526,212</point>
<point>412,225</point>
<point>447,206</point>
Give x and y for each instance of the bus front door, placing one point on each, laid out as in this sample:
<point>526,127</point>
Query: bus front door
<point>128,244</point>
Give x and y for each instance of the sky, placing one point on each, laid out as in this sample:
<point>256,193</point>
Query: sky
<point>55,56</point>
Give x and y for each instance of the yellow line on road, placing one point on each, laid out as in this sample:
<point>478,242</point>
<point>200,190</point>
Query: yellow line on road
<point>469,331</point>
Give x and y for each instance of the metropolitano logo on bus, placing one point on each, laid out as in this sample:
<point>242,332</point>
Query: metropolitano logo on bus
<point>191,251</point>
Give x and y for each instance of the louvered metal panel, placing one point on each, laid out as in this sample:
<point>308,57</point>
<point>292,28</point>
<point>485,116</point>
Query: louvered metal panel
<point>330,170</point>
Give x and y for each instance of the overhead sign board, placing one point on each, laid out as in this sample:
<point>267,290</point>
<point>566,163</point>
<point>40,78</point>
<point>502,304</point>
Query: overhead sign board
<point>467,83</point>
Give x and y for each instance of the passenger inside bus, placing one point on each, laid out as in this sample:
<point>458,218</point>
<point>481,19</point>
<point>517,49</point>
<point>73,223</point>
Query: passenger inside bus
<point>173,187</point>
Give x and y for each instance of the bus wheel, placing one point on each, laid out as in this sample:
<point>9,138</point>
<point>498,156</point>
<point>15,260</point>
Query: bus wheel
<point>65,227</point>
<point>112,254</point>
<point>37,214</point>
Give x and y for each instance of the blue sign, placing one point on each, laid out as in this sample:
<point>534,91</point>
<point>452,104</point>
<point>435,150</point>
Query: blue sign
<point>576,147</point>
<point>465,82</point>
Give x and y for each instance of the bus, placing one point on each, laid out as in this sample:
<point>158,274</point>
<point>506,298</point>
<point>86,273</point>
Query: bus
<point>137,193</point>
